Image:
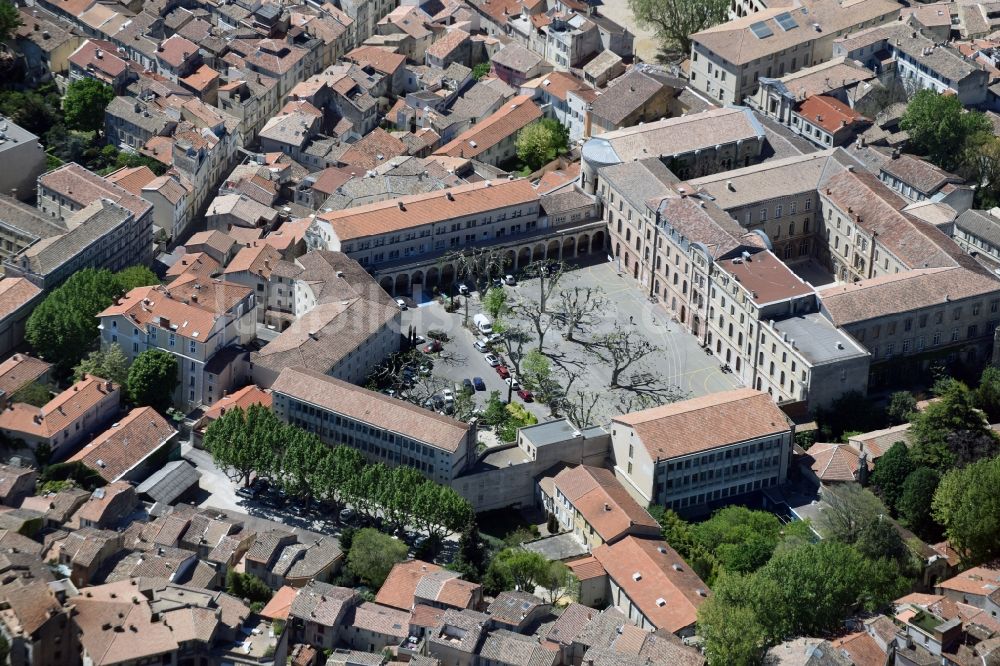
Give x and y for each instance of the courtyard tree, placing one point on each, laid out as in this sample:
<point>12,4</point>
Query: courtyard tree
<point>534,313</point>
<point>10,20</point>
<point>901,405</point>
<point>536,375</point>
<point>620,350</point>
<point>580,407</point>
<point>848,509</point>
<point>513,337</point>
<point>914,505</point>
<point>674,21</point>
<point>152,378</point>
<point>987,395</point>
<point>559,582</point>
<point>439,510</point>
<point>108,363</point>
<point>940,127</point>
<point>951,431</point>
<point>517,569</point>
<point>548,273</point>
<point>495,302</point>
<point>476,265</point>
<point>33,393</point>
<point>579,306</point>
<point>541,142</point>
<point>471,557</point>
<point>373,555</point>
<point>85,102</point>
<point>891,470</point>
<point>967,504</point>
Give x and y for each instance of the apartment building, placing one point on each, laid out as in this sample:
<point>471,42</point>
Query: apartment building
<point>728,59</point>
<point>69,188</point>
<point>695,454</point>
<point>22,225</point>
<point>101,235</point>
<point>21,147</point>
<point>592,504</point>
<point>66,421</point>
<point>385,429</point>
<point>196,320</point>
<point>978,233</point>
<point>492,140</point>
<point>902,51</point>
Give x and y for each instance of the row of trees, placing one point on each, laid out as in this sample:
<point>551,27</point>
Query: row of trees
<point>254,443</point>
<point>63,328</point>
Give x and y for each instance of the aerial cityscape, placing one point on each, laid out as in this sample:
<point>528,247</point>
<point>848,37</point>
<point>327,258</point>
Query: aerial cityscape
<point>499,333</point>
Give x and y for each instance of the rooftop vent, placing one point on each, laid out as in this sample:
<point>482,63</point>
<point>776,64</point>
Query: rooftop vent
<point>637,576</point>
<point>661,602</point>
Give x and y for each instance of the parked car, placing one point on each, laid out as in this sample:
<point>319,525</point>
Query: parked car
<point>525,395</point>
<point>433,346</point>
<point>497,282</point>
<point>503,371</point>
<point>513,383</point>
<point>401,303</point>
<point>463,290</point>
<point>492,360</point>
<point>347,515</point>
<point>483,323</point>
<point>420,339</point>
<point>481,346</point>
<point>479,383</point>
<point>493,338</point>
<point>509,279</point>
<point>467,386</point>
<point>449,395</point>
<point>248,492</point>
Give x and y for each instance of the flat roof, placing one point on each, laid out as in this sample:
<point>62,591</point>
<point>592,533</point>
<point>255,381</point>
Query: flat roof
<point>818,339</point>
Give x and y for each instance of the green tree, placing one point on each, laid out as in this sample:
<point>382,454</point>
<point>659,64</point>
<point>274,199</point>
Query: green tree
<point>537,376</point>
<point>741,539</point>
<point>152,379</point>
<point>880,539</point>
<point>914,505</point>
<point>10,21</point>
<point>849,508</point>
<point>245,442</point>
<point>890,472</point>
<point>940,127</point>
<point>373,555</point>
<point>733,635</point>
<point>33,394</point>
<point>852,411</point>
<point>682,538</point>
<point>81,475</point>
<point>481,69</point>
<point>247,586</point>
<point>674,21</point>
<point>541,142</point>
<point>439,510</point>
<point>518,418</point>
<point>471,556</point>
<point>559,582</point>
<point>987,396</point>
<point>85,102</point>
<point>901,405</point>
<point>110,363</point>
<point>967,504</point>
<point>950,431</point>
<point>64,325</point>
<point>495,302</point>
<point>516,568</point>
<point>495,412</point>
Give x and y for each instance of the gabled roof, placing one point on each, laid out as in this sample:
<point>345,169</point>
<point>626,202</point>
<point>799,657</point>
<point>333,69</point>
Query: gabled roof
<point>508,120</point>
<point>828,113</point>
<point>18,371</point>
<point>835,462</point>
<point>125,444</point>
<point>603,502</point>
<point>707,422</point>
<point>660,584</point>
<point>59,413</point>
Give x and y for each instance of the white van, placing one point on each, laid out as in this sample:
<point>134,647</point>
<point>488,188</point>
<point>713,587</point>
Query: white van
<point>483,323</point>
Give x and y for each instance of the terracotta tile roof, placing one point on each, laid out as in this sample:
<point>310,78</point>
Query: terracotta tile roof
<point>628,93</point>
<point>982,580</point>
<point>877,442</point>
<point>216,240</point>
<point>201,78</point>
<point>280,604</point>
<point>10,476</point>
<point>420,209</point>
<point>20,370</point>
<point>919,174</point>
<point>103,500</point>
<point>125,444</point>
<point>571,622</point>
<point>373,408</point>
<point>160,148</point>
<point>649,572</point>
<point>557,84</point>
<point>173,189</point>
<point>84,187</point>
<point>766,277</point>
<point>401,584</point>
<point>243,398</point>
<point>198,264</point>
<point>381,620</point>
<point>119,631</point>
<point>706,422</point>
<point>513,606</point>
<point>374,149</point>
<point>505,122</point>
<point>14,294</point>
<point>259,260</point>
<point>132,180</point>
<point>60,412</point>
<point>32,605</point>
<point>330,179</point>
<point>587,568</point>
<point>835,462</point>
<point>380,59</point>
<point>426,616</point>
<point>828,113</point>
<point>903,292</point>
<point>451,40</point>
<point>175,50</point>
<point>603,502</point>
<point>108,64</point>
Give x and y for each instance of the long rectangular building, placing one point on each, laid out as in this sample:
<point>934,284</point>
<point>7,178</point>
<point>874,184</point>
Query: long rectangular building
<point>385,429</point>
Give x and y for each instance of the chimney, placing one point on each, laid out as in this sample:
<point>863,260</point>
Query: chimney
<point>401,206</point>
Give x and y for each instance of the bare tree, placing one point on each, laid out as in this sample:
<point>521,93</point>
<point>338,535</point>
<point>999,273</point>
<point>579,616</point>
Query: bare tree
<point>579,407</point>
<point>476,265</point>
<point>424,388</point>
<point>621,350</point>
<point>548,274</point>
<point>513,338</point>
<point>534,312</point>
<point>633,400</point>
<point>579,305</point>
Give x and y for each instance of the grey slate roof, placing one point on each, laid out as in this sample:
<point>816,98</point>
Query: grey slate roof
<point>981,224</point>
<point>170,482</point>
<point>27,219</point>
<point>96,220</point>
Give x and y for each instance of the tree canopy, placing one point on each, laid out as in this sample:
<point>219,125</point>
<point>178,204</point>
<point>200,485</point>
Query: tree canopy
<point>914,505</point>
<point>890,472</point>
<point>515,569</point>
<point>674,21</point>
<point>63,328</point>
<point>967,504</point>
<point>244,443</point>
<point>373,555</point>
<point>152,379</point>
<point>940,127</point>
<point>541,142</point>
<point>10,20</point>
<point>85,102</point>
<point>110,363</point>
<point>951,431</point>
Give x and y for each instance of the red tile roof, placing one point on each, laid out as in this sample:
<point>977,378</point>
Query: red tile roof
<point>380,59</point>
<point>603,502</point>
<point>175,50</point>
<point>60,412</point>
<point>401,584</point>
<point>126,444</point>
<point>828,112</point>
<point>506,121</point>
